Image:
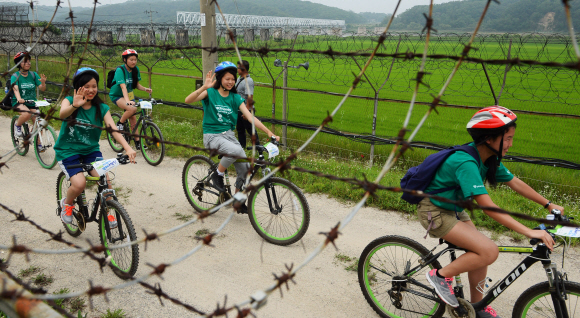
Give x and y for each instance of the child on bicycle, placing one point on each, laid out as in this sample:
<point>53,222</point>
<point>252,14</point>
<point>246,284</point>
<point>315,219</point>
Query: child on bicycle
<point>220,114</point>
<point>79,143</point>
<point>24,83</point>
<point>127,78</point>
<point>492,130</point>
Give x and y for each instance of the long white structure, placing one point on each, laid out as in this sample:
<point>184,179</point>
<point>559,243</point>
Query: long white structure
<point>193,19</point>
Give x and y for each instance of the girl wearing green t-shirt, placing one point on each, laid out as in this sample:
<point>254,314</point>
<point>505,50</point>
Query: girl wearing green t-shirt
<point>220,114</point>
<point>80,143</point>
<point>461,176</point>
<point>24,85</point>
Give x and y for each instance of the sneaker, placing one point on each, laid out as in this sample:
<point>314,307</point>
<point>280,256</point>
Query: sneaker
<point>66,212</point>
<point>443,287</point>
<point>218,182</point>
<point>120,125</point>
<point>138,145</point>
<point>40,148</point>
<point>112,221</point>
<point>487,312</point>
<point>243,209</point>
<point>17,131</point>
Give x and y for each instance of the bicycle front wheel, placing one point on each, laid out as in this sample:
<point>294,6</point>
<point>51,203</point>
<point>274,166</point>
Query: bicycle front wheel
<point>536,301</point>
<point>115,145</point>
<point>279,211</point>
<point>381,276</point>
<point>199,193</point>
<point>18,143</point>
<point>44,147</point>
<point>62,185</point>
<point>125,260</point>
<point>153,150</point>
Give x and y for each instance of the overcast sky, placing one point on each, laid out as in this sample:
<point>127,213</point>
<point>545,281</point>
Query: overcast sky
<point>382,6</point>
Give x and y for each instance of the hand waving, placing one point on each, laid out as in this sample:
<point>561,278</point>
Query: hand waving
<point>42,78</point>
<point>79,99</point>
<point>209,80</point>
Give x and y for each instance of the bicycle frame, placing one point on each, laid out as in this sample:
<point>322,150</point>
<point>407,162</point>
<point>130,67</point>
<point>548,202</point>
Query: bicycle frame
<point>143,117</point>
<point>538,254</point>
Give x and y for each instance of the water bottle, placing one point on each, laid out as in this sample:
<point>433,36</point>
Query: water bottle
<point>5,89</point>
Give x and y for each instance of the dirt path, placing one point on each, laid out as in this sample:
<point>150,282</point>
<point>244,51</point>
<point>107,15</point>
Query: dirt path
<point>233,267</point>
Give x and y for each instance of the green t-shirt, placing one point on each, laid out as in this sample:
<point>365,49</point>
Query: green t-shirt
<point>462,169</point>
<point>120,78</point>
<point>220,113</point>
<point>79,139</point>
<point>26,86</point>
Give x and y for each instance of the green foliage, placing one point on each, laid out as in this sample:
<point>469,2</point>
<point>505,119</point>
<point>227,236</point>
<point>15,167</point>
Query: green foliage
<point>51,28</point>
<point>77,304</point>
<point>62,301</point>
<point>3,315</point>
<point>183,217</point>
<point>29,271</point>
<point>202,232</point>
<point>118,313</point>
<point>42,280</point>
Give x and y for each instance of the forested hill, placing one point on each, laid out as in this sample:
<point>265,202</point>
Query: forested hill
<point>509,16</point>
<point>133,11</point>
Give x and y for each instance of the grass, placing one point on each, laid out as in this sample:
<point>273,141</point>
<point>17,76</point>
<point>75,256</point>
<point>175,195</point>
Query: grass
<point>202,232</point>
<point>350,262</point>
<point>29,271</point>
<point>183,217</point>
<point>117,313</point>
<point>76,304</point>
<point>61,302</point>
<point>42,280</point>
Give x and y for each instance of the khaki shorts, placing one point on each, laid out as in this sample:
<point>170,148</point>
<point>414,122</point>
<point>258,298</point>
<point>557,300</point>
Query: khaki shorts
<point>443,220</point>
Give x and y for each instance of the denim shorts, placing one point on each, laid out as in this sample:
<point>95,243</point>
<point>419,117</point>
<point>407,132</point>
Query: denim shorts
<point>75,160</point>
<point>115,99</point>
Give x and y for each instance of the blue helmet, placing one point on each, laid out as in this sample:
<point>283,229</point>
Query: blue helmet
<point>86,69</point>
<point>225,65</point>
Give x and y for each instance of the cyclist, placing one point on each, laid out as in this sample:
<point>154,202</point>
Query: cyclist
<point>220,111</point>
<point>126,80</point>
<point>243,125</point>
<point>492,130</point>
<point>24,83</point>
<point>79,143</point>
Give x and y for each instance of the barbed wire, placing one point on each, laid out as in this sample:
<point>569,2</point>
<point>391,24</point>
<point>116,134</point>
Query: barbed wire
<point>289,273</point>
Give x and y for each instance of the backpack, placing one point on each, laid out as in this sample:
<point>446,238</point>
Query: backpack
<point>111,77</point>
<point>6,103</point>
<point>419,177</point>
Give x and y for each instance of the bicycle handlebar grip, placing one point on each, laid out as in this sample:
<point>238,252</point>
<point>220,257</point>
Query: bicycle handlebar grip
<point>123,159</point>
<point>534,241</point>
<point>80,165</point>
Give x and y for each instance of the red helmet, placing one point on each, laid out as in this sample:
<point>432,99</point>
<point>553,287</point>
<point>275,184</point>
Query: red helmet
<point>492,117</point>
<point>19,56</point>
<point>130,52</point>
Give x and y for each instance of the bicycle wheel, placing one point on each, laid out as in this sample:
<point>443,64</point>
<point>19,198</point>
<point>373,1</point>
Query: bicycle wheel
<point>125,260</point>
<point>200,194</point>
<point>19,145</point>
<point>62,185</point>
<point>46,139</point>
<point>381,269</point>
<point>115,145</point>
<point>153,151</point>
<point>283,224</point>
<point>536,301</point>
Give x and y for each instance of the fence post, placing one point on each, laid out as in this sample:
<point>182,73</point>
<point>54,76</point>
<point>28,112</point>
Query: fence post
<point>489,82</point>
<point>37,90</point>
<point>22,307</point>
<point>285,106</point>
<point>507,67</point>
<point>105,79</point>
<point>273,104</point>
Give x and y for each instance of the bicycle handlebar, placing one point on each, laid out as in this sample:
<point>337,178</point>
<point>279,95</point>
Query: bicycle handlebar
<point>153,102</point>
<point>32,101</point>
<point>557,217</point>
<point>261,148</point>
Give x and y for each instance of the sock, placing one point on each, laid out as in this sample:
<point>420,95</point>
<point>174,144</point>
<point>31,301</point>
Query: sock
<point>439,275</point>
<point>221,174</point>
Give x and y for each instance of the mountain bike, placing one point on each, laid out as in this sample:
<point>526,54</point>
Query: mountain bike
<point>391,275</point>
<point>44,141</point>
<point>124,260</point>
<point>153,151</point>
<point>277,209</point>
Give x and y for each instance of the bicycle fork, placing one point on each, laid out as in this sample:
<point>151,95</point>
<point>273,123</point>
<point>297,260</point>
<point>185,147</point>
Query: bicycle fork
<point>274,208</point>
<point>557,289</point>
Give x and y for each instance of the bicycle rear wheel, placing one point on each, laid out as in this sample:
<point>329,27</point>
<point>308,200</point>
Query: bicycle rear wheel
<point>18,143</point>
<point>381,269</point>
<point>125,260</point>
<point>285,223</point>
<point>62,185</point>
<point>46,155</point>
<point>199,193</point>
<point>536,301</point>
<point>153,151</point>
<point>115,145</point>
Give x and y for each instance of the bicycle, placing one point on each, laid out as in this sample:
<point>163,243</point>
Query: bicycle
<point>44,140</point>
<point>391,267</point>
<point>124,260</point>
<point>277,209</point>
<point>153,151</point>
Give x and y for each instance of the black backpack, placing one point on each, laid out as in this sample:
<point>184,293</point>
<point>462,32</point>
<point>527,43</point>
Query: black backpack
<point>6,103</point>
<point>111,77</point>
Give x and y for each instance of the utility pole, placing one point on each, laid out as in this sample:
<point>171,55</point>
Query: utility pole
<point>151,19</point>
<point>208,35</point>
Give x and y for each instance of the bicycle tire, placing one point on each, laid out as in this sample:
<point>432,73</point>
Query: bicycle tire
<point>21,149</point>
<point>62,185</point>
<point>287,226</point>
<point>116,146</point>
<point>195,169</point>
<point>124,260</point>
<point>536,301</point>
<point>153,151</point>
<point>395,254</point>
<point>47,158</point>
